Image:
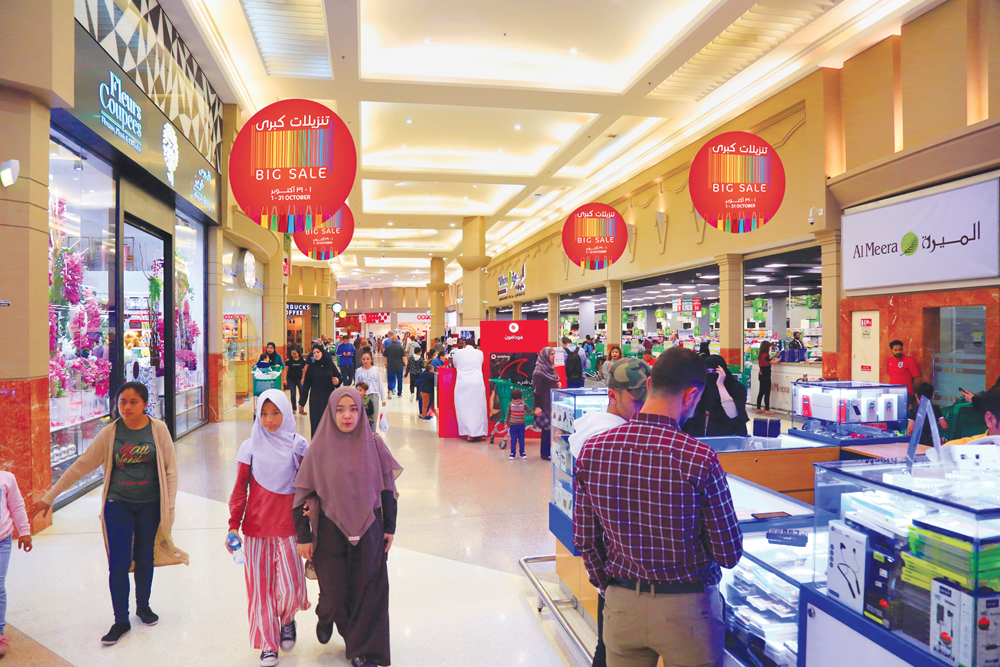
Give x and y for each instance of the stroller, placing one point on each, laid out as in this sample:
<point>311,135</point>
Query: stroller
<point>501,397</point>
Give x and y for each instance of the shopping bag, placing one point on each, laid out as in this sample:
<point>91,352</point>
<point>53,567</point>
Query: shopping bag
<point>383,422</point>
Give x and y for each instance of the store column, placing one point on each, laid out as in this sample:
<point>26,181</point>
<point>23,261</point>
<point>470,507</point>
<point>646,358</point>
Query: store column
<point>831,293</point>
<point>436,288</point>
<point>553,319</point>
<point>45,66</point>
<point>516,315</point>
<point>473,260</point>
<point>731,307</point>
<point>613,329</point>
<point>216,337</point>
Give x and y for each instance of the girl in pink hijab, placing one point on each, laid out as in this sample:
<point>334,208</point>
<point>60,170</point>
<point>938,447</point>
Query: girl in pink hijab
<point>348,483</point>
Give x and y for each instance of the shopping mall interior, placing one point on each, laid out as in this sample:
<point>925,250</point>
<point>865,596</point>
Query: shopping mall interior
<point>460,145</point>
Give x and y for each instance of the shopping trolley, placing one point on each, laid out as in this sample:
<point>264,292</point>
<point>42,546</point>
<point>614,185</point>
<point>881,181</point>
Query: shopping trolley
<point>262,384</point>
<point>501,390</point>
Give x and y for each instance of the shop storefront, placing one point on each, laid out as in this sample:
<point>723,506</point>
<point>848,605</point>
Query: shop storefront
<point>242,322</point>
<point>299,325</point>
<point>416,324</point>
<point>128,198</point>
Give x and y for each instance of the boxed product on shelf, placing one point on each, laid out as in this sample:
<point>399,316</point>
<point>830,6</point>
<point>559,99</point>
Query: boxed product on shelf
<point>848,558</point>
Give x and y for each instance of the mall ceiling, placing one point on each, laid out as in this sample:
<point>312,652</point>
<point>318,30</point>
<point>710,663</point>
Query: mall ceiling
<point>517,111</point>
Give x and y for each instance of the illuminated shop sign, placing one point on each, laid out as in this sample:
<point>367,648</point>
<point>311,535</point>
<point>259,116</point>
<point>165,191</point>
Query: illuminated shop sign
<point>511,284</point>
<point>296,308</point>
<point>120,113</point>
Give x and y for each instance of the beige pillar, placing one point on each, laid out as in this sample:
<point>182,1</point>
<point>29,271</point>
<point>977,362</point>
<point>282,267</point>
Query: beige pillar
<point>36,70</point>
<point>553,318</point>
<point>274,301</point>
<point>831,292</point>
<point>731,307</point>
<point>613,328</point>
<point>216,340</point>
<point>435,289</point>
<point>517,310</point>
<point>473,260</point>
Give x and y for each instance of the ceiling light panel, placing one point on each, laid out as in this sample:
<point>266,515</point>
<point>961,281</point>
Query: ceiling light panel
<point>611,143</point>
<point>291,37</point>
<point>435,198</point>
<point>763,27</point>
<point>538,200</point>
<point>401,40</point>
<point>443,138</point>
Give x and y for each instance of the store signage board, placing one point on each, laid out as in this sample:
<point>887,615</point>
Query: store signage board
<point>594,236</point>
<point>375,318</point>
<point>946,236</point>
<point>297,308</point>
<point>687,305</point>
<point>110,103</point>
<point>511,284</point>
<point>737,182</point>
<point>293,165</point>
<point>330,238</point>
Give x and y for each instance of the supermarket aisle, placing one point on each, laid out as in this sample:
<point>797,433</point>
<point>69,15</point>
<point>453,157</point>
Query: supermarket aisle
<point>466,515</point>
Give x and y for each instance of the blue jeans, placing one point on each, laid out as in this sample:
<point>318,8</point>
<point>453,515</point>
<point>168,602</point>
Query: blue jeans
<point>4,562</point>
<point>131,529</point>
<point>545,447</point>
<point>395,376</point>
<point>516,435</point>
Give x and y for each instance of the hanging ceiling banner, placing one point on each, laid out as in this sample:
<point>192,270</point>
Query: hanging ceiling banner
<point>293,165</point>
<point>329,240</point>
<point>594,236</point>
<point>737,182</point>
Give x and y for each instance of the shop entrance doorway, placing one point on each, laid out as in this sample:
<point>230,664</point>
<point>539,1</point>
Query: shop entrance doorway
<point>865,346</point>
<point>961,360</point>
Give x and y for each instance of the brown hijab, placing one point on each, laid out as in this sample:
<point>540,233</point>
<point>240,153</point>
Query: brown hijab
<point>346,471</point>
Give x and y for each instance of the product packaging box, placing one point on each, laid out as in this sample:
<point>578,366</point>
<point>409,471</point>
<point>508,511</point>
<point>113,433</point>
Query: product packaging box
<point>887,409</point>
<point>987,630</point>
<point>869,406</point>
<point>952,612</point>
<point>845,575</point>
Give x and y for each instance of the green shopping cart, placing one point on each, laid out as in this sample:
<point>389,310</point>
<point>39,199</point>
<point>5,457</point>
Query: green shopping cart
<point>501,390</point>
<point>260,385</point>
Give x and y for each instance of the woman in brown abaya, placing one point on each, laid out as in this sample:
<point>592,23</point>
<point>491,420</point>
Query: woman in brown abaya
<point>347,481</point>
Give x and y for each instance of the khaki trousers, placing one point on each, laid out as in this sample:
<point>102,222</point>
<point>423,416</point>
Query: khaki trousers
<point>686,630</point>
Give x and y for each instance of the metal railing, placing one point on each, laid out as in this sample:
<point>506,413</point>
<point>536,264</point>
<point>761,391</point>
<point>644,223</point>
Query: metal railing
<point>545,600</point>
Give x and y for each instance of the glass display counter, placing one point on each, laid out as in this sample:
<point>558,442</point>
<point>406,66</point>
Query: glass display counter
<point>913,563</point>
<point>849,413</point>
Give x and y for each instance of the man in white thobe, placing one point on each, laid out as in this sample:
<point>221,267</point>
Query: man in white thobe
<point>470,390</point>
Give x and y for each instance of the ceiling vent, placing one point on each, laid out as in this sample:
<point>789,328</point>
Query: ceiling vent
<point>763,27</point>
<point>291,37</point>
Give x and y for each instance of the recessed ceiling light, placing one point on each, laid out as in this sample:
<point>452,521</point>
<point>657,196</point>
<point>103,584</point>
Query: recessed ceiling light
<point>427,40</point>
<point>777,291</point>
<point>465,198</point>
<point>499,150</point>
<point>394,196</point>
<point>389,223</point>
<point>475,186</point>
<point>775,266</point>
<point>404,145</point>
<point>517,127</point>
<point>574,51</point>
<point>383,240</point>
<point>409,121</point>
<point>452,224</point>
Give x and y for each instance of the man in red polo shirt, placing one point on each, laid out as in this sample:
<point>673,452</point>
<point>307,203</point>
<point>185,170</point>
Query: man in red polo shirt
<point>902,368</point>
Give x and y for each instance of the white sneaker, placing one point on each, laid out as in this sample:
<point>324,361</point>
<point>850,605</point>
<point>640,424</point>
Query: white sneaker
<point>524,456</point>
<point>511,457</point>
<point>412,398</point>
<point>390,396</point>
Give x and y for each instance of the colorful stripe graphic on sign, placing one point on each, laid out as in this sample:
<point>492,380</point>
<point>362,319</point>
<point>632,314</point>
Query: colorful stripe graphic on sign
<point>591,228</point>
<point>336,222</point>
<point>287,219</point>
<point>291,148</point>
<point>740,168</point>
<point>727,223</point>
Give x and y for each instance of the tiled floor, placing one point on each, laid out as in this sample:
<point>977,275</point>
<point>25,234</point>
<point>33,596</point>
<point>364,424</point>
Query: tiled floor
<point>457,596</point>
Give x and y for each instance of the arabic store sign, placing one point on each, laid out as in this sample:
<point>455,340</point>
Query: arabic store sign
<point>948,235</point>
<point>511,284</point>
<point>737,182</point>
<point>594,236</point>
<point>112,105</point>
<point>293,165</point>
<point>687,305</point>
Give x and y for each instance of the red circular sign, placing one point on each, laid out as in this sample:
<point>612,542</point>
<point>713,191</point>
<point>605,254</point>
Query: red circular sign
<point>331,239</point>
<point>737,182</point>
<point>292,165</point>
<point>594,236</point>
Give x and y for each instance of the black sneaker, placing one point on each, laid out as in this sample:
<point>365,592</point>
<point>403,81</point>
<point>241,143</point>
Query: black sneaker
<point>117,631</point>
<point>288,636</point>
<point>147,616</point>
<point>324,632</point>
<point>362,661</point>
<point>268,659</point>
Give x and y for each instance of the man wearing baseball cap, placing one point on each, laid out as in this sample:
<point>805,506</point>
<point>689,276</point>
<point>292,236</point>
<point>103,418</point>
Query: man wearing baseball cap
<point>626,382</point>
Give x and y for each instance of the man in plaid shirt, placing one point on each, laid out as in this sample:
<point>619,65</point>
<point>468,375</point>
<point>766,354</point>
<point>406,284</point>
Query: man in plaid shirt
<point>654,522</point>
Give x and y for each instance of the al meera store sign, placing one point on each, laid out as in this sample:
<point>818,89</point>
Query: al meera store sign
<point>110,103</point>
<point>940,236</point>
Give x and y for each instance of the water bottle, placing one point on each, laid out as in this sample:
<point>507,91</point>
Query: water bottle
<point>236,545</point>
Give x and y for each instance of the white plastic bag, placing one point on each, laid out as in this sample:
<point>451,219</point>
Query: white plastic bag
<point>383,422</point>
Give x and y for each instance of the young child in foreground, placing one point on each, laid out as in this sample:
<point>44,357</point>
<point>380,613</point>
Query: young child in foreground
<point>12,515</point>
<point>516,411</point>
<point>261,503</point>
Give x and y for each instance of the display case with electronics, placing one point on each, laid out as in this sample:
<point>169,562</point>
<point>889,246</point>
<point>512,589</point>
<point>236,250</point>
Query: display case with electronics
<point>849,413</point>
<point>913,563</point>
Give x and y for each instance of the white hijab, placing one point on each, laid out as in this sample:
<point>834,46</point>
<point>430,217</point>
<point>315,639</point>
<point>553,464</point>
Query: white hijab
<point>274,457</point>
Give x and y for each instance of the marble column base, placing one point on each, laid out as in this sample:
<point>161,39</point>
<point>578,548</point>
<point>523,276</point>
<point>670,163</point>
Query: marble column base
<point>216,370</point>
<point>24,447</point>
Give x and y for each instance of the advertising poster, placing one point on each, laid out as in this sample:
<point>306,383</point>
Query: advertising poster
<point>330,239</point>
<point>293,165</point>
<point>594,236</point>
<point>516,367</point>
<point>737,182</point>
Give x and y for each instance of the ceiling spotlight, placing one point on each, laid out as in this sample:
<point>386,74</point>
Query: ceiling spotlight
<point>452,224</point>
<point>389,223</point>
<point>427,40</point>
<point>404,145</point>
<point>499,150</point>
<point>383,240</point>
<point>409,121</point>
<point>465,198</point>
<point>475,186</point>
<point>517,127</point>
<point>775,266</point>
<point>573,51</point>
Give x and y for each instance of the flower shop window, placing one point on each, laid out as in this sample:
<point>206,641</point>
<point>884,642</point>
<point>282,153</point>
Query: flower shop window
<point>82,214</point>
<point>190,377</point>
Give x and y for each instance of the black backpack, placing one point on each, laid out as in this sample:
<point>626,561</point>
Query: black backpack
<point>574,366</point>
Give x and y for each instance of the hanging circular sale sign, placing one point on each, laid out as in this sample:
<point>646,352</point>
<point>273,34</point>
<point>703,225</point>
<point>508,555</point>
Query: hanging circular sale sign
<point>737,182</point>
<point>292,166</point>
<point>594,236</point>
<point>330,240</point>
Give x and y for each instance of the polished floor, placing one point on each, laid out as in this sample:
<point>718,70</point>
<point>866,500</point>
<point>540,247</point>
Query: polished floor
<point>458,597</point>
